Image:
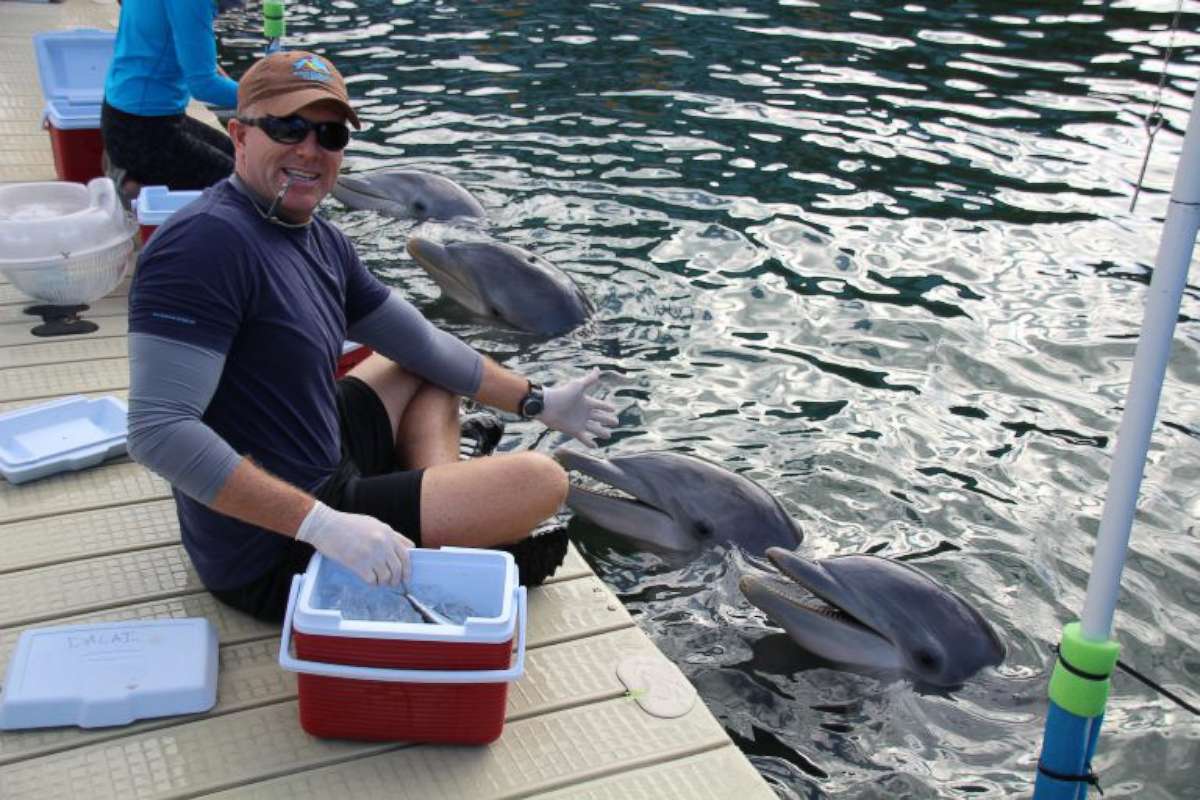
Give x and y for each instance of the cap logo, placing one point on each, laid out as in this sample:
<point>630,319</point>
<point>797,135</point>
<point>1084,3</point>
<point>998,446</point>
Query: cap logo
<point>312,68</point>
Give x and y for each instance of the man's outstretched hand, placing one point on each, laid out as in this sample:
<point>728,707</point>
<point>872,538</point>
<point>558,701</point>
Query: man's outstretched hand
<point>570,409</point>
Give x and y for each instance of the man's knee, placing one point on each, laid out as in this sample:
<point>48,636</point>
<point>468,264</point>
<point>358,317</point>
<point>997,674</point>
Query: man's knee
<point>436,400</point>
<point>546,474</point>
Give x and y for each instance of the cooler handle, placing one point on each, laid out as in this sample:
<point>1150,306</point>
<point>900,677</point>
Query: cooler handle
<point>293,664</point>
<point>102,193</point>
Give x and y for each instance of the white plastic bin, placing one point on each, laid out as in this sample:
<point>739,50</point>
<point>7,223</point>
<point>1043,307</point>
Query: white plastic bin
<point>154,205</point>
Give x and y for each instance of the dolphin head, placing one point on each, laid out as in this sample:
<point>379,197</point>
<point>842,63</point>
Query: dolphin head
<point>676,503</point>
<point>408,194</point>
<point>504,283</point>
<point>880,614</point>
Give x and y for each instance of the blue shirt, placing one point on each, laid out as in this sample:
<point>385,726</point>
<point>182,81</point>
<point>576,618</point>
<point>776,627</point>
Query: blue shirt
<point>276,301</point>
<point>165,54</point>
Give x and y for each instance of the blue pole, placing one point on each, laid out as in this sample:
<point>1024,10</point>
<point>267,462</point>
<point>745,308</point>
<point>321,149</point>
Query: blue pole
<point>1078,693</point>
<point>1079,684</point>
<point>1067,751</point>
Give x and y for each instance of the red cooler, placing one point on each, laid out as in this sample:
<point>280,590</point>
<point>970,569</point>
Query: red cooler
<point>154,205</point>
<point>352,353</point>
<point>72,65</point>
<point>75,141</point>
<point>416,682</point>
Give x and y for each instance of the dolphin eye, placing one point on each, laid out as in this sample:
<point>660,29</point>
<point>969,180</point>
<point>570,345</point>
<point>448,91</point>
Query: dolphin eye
<point>926,660</point>
<point>419,207</point>
<point>703,530</point>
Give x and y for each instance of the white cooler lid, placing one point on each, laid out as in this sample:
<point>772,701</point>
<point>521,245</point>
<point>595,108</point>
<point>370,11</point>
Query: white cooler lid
<point>110,673</point>
<point>73,64</point>
<point>485,580</point>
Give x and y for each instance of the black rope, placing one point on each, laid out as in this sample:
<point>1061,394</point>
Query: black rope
<point>1133,673</point>
<point>1074,670</point>
<point>1091,779</point>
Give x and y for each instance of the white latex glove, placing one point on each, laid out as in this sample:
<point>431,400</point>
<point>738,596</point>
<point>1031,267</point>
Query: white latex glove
<point>364,545</point>
<point>569,409</point>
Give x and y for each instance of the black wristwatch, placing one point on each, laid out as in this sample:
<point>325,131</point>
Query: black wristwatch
<point>533,403</point>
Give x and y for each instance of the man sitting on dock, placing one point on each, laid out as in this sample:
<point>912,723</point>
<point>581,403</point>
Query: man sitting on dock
<point>237,315</point>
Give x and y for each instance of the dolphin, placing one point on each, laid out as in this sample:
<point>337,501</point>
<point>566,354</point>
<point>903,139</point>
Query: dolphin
<point>679,503</point>
<point>408,194</point>
<point>505,283</point>
<point>881,614</point>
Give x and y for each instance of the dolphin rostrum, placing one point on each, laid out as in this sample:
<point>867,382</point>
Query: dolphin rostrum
<point>679,503</point>
<point>408,194</point>
<point>505,283</point>
<point>881,614</point>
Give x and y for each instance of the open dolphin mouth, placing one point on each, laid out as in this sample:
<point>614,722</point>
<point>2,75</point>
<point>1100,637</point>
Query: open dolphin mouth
<point>433,259</point>
<point>801,599</point>
<point>350,185</point>
<point>819,612</point>
<point>626,513</point>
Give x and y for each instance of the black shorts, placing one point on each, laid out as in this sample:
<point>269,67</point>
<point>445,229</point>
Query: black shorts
<point>367,481</point>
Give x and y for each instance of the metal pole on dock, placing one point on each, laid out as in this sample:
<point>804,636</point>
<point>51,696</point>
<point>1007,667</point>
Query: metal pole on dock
<point>1087,655</point>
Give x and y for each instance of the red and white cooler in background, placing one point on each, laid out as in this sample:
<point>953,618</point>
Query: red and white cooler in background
<point>154,205</point>
<point>416,682</point>
<point>352,353</point>
<point>72,65</point>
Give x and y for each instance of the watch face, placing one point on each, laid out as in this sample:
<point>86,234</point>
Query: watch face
<point>532,403</point>
<point>532,406</point>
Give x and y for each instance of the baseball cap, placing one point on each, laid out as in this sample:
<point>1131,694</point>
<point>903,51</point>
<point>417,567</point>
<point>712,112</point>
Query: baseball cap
<point>283,83</point>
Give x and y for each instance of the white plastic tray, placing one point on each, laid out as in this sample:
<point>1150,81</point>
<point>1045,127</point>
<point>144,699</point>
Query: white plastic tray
<point>110,673</point>
<point>154,205</point>
<point>66,434</point>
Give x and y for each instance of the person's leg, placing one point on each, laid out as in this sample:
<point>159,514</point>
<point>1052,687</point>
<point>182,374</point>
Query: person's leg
<point>192,160</point>
<point>423,417</point>
<point>476,503</point>
<point>163,151</point>
<point>266,597</point>
<point>490,501</point>
<point>494,502</point>
<point>213,137</point>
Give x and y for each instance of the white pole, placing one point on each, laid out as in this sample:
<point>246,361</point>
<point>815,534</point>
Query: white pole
<point>1145,385</point>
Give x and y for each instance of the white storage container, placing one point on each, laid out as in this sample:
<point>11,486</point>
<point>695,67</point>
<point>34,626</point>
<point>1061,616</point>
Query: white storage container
<point>64,243</point>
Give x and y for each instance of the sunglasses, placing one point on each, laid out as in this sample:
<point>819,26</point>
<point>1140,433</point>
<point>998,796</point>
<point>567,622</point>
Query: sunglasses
<point>294,130</point>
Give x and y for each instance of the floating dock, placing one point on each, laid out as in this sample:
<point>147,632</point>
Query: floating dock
<point>103,545</point>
